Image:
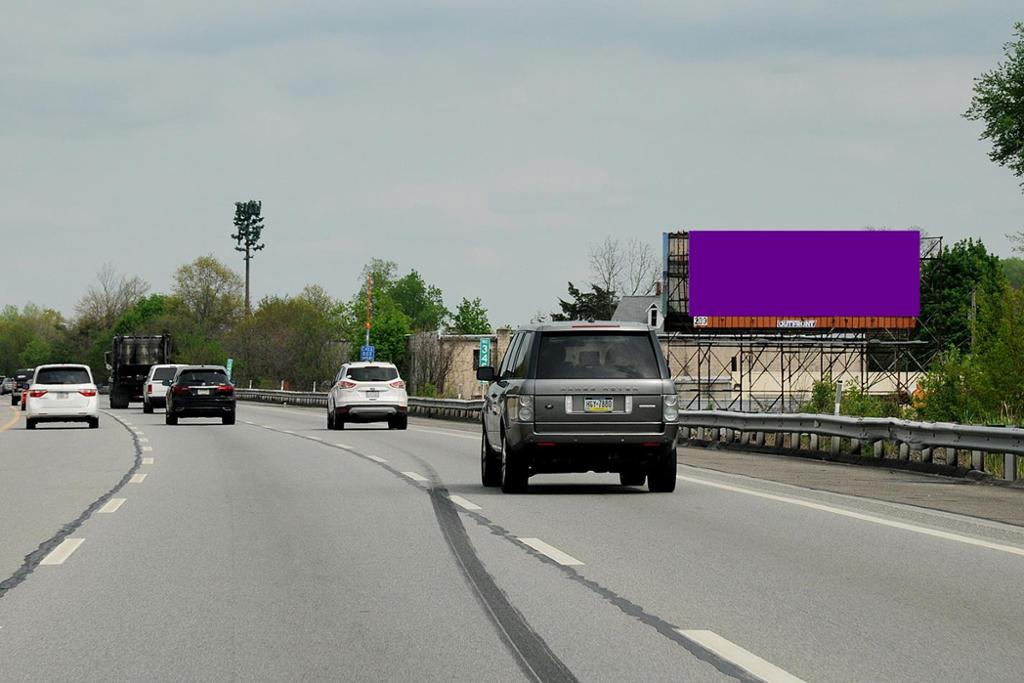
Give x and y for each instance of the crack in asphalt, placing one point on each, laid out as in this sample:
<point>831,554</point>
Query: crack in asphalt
<point>33,559</point>
<point>461,546</point>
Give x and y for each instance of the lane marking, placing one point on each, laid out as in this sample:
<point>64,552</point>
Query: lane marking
<point>446,432</point>
<point>415,477</point>
<point>552,552</point>
<point>147,448</point>
<point>465,504</point>
<point>266,426</point>
<point>285,431</point>
<point>343,445</point>
<point>143,440</point>
<point>112,505</point>
<point>137,479</point>
<point>376,459</point>
<point>314,438</point>
<point>744,659</point>
<point>935,533</point>
<point>147,461</point>
<point>63,551</point>
<point>14,420</point>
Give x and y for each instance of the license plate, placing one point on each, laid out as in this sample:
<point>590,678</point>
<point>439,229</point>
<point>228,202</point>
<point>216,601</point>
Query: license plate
<point>62,394</point>
<point>203,392</point>
<point>598,405</point>
<point>372,394</point>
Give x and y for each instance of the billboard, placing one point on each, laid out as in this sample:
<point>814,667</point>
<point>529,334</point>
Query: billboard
<point>795,280</point>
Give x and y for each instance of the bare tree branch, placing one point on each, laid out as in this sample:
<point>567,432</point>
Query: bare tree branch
<point>627,268</point>
<point>113,294</point>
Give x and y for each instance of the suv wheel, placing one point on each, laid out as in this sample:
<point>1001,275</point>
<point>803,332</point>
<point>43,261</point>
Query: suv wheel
<point>398,422</point>
<point>228,419</point>
<point>330,419</point>
<point>94,423</point>
<point>661,478</point>
<point>514,476</point>
<point>30,423</point>
<point>490,463</point>
<point>147,407</point>
<point>170,419</point>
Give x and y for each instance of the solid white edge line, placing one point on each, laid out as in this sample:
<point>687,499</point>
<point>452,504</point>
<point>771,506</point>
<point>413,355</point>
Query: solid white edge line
<point>748,661</point>
<point>465,504</point>
<point>112,505</point>
<point>63,551</point>
<point>376,459</point>
<point>935,533</point>
<point>415,477</point>
<point>137,479</point>
<point>551,552</point>
<point>446,432</point>
<point>343,445</point>
<point>315,438</point>
<point>147,461</point>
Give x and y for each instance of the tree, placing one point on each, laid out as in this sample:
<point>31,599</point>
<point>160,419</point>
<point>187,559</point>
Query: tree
<point>470,318</point>
<point>423,303</point>
<point>1013,270</point>
<point>949,282</point>
<point>249,227</point>
<point>113,294</point>
<point>627,268</point>
<point>430,361</point>
<point>210,293</point>
<point>598,304</point>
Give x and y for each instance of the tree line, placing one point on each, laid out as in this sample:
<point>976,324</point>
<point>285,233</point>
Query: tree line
<point>297,340</point>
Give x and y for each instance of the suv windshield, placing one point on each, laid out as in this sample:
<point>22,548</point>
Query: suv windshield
<point>203,377</point>
<point>373,373</point>
<point>63,376</point>
<point>601,355</point>
<point>164,373</point>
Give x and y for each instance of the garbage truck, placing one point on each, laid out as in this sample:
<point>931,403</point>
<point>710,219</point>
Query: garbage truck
<point>129,360</point>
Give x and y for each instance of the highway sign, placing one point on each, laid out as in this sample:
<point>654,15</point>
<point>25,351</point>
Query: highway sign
<point>368,353</point>
<point>485,352</point>
<point>231,363</point>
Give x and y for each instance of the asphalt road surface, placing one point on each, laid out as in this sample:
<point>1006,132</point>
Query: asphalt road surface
<point>277,550</point>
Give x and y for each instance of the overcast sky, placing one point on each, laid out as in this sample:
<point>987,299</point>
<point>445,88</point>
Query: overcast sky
<point>483,144</point>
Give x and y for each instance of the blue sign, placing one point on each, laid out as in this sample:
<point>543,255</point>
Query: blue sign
<point>368,353</point>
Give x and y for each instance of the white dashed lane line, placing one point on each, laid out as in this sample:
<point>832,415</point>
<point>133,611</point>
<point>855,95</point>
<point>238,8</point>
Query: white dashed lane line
<point>465,504</point>
<point>748,661</point>
<point>376,459</point>
<point>147,449</point>
<point>343,445</point>
<point>454,433</point>
<point>137,479</point>
<point>415,477</point>
<point>551,552</point>
<point>112,505</point>
<point>147,461</point>
<point>63,551</point>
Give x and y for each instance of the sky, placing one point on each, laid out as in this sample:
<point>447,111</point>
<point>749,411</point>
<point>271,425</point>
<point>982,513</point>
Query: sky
<point>484,144</point>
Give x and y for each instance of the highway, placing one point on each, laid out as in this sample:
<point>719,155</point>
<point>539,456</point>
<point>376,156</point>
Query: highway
<point>277,550</point>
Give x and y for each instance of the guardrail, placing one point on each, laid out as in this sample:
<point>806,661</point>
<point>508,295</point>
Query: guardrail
<point>442,408</point>
<point>884,437</point>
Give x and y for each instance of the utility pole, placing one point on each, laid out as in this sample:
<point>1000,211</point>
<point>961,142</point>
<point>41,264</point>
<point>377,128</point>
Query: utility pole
<point>369,306</point>
<point>249,226</point>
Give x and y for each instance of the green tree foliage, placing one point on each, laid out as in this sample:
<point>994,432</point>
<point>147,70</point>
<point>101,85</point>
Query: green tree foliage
<point>947,283</point>
<point>999,102</point>
<point>597,304</point>
<point>211,294</point>
<point>855,401</point>
<point>423,303</point>
<point>470,318</point>
<point>31,336</point>
<point>1013,271</point>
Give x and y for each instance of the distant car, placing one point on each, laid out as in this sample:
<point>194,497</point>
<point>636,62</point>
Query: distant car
<point>580,397</point>
<point>22,378</point>
<point>154,391</point>
<point>368,392</point>
<point>200,391</point>
<point>61,393</point>
<point>4,388</point>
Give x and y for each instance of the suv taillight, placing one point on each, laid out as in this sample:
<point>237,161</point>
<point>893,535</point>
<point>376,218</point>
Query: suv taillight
<point>88,393</point>
<point>149,388</point>
<point>181,389</point>
<point>345,384</point>
<point>225,389</point>
<point>37,393</point>
<point>397,384</point>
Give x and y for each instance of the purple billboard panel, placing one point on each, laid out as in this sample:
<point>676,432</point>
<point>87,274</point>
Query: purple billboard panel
<point>805,273</point>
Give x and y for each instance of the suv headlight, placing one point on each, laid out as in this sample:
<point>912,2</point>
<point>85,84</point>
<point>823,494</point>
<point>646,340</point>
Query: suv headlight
<point>670,408</point>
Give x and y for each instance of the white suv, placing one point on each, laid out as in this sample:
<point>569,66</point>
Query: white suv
<point>154,391</point>
<point>368,392</point>
<point>61,393</point>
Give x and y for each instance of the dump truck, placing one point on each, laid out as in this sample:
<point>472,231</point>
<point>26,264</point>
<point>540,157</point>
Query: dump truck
<point>129,360</point>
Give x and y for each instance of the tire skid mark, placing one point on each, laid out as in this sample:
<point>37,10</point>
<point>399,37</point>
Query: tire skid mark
<point>33,559</point>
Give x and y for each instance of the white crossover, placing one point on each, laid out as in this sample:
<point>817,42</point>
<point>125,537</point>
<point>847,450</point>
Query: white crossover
<point>368,392</point>
<point>61,393</point>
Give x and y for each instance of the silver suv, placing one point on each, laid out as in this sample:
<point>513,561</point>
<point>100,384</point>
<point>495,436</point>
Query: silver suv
<point>580,397</point>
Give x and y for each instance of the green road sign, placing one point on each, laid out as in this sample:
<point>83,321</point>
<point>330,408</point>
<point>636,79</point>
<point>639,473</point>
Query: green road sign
<point>485,352</point>
<point>231,362</point>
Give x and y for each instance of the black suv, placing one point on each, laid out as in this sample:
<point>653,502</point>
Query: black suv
<point>22,378</point>
<point>580,397</point>
<point>200,391</point>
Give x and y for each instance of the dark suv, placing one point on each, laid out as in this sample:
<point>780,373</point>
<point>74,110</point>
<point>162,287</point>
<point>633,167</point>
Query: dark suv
<point>580,397</point>
<point>200,391</point>
<point>22,378</point>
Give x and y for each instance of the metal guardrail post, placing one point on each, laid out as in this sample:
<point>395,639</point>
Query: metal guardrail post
<point>978,461</point>
<point>1009,467</point>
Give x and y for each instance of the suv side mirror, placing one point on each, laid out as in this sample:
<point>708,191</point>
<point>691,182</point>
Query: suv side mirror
<point>485,373</point>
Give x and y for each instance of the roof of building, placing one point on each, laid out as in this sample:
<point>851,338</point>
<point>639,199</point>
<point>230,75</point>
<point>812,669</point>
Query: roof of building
<point>634,308</point>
